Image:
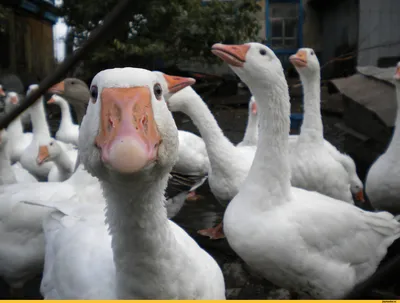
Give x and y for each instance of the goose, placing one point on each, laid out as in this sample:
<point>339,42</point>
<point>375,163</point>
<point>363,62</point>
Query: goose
<point>21,231</point>
<point>313,167</point>
<point>68,132</point>
<point>41,136</point>
<point>251,133</point>
<point>76,92</point>
<point>144,255</point>
<point>10,174</point>
<point>382,183</point>
<point>333,245</point>
<point>229,163</point>
<point>18,141</point>
<point>2,93</point>
<point>64,163</point>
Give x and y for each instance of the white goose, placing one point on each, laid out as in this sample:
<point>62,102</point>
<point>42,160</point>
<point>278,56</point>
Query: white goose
<point>312,165</point>
<point>333,245</point>
<point>22,253</point>
<point>64,162</point>
<point>251,134</point>
<point>10,174</point>
<point>229,163</point>
<point>41,136</point>
<point>68,132</point>
<point>18,140</point>
<point>146,256</point>
<point>383,180</point>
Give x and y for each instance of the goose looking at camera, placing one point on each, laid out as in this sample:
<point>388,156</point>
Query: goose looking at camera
<point>129,141</point>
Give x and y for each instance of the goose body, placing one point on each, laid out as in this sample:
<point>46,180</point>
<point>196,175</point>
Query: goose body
<point>68,132</point>
<point>144,255</point>
<point>333,245</point>
<point>382,183</point>
<point>23,246</point>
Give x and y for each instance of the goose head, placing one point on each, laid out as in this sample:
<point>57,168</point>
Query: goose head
<point>2,93</point>
<point>171,85</point>
<point>127,130</point>
<point>306,62</point>
<point>75,92</point>
<point>31,88</point>
<point>55,99</point>
<point>48,152</point>
<point>255,64</point>
<point>11,101</point>
<point>396,76</point>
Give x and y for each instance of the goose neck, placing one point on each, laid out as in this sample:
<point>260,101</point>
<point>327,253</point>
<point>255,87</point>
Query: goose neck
<point>38,117</point>
<point>394,146</point>
<point>219,148</point>
<point>66,118</point>
<point>139,227</point>
<point>312,127</point>
<point>251,133</point>
<point>270,170</point>
<point>15,128</point>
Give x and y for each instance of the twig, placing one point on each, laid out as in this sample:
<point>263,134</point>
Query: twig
<point>120,11</point>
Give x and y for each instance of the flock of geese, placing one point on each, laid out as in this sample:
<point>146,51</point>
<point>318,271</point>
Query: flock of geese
<point>99,227</point>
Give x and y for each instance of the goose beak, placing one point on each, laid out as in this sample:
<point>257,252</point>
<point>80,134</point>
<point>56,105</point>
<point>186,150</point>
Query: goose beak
<point>234,55</point>
<point>57,88</point>
<point>175,83</point>
<point>43,154</point>
<point>254,108</point>
<point>2,93</point>
<point>360,196</point>
<point>51,100</point>
<point>299,59</point>
<point>397,74</point>
<point>128,136</point>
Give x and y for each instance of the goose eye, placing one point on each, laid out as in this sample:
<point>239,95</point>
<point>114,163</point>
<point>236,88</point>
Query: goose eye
<point>93,93</point>
<point>157,91</point>
<point>263,52</point>
<point>51,144</point>
<point>312,53</point>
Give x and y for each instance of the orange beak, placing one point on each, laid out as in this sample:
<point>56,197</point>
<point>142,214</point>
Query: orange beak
<point>360,196</point>
<point>51,101</point>
<point>2,93</point>
<point>175,83</point>
<point>43,154</point>
<point>58,88</point>
<point>254,108</point>
<point>234,55</point>
<point>299,59</point>
<point>14,100</point>
<point>397,74</point>
<point>128,136</point>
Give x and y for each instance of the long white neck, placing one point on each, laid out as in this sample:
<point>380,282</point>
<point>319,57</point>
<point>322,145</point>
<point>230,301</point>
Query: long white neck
<point>140,232</point>
<point>251,133</point>
<point>219,148</point>
<point>64,164</point>
<point>66,118</point>
<point>38,117</point>
<point>15,128</point>
<point>394,147</point>
<point>7,175</point>
<point>270,171</point>
<point>312,128</point>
